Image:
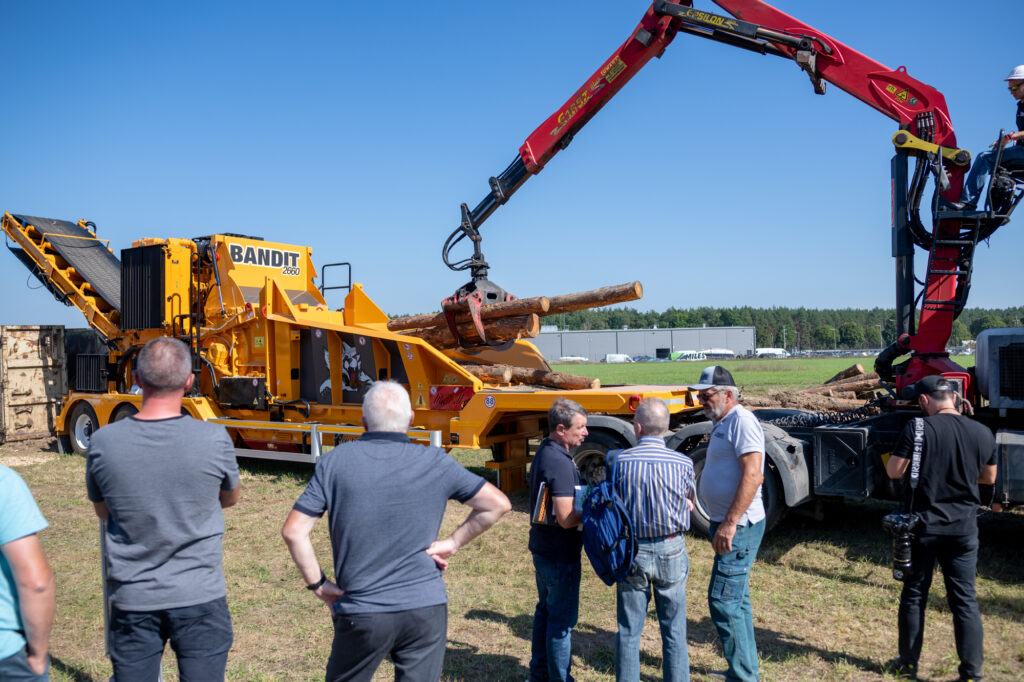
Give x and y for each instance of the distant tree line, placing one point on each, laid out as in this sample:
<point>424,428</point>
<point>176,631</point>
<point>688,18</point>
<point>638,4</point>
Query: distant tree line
<point>789,327</point>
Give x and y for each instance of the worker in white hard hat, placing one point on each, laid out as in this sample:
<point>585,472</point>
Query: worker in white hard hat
<point>983,163</point>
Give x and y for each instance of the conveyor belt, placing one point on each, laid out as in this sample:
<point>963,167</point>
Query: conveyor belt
<point>93,261</point>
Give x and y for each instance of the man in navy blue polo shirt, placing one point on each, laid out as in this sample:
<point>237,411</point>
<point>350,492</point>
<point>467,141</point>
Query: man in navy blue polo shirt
<point>556,543</point>
<point>657,487</point>
<point>385,498</point>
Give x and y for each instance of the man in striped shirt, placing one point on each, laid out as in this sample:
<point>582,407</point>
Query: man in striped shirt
<point>657,487</point>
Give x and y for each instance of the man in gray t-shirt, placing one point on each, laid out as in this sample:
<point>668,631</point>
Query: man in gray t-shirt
<point>160,479</point>
<point>385,498</point>
<point>730,486</point>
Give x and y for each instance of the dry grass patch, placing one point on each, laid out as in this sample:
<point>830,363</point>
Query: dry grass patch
<point>824,602</point>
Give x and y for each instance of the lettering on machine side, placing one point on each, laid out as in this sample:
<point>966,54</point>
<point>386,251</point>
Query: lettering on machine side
<point>265,257</point>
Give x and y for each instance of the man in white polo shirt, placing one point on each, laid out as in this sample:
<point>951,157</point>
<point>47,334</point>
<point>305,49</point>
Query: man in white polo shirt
<point>730,487</point>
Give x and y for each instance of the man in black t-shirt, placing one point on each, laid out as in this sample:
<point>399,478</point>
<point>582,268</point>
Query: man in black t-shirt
<point>956,454</point>
<point>555,543</point>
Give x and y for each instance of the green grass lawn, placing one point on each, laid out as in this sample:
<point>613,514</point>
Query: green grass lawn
<point>755,376</point>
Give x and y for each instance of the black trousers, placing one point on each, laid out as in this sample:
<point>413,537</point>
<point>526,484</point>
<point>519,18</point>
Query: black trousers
<point>200,635</point>
<point>415,639</point>
<point>958,556</point>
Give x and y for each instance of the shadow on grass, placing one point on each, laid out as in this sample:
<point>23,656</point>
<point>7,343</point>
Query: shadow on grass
<point>856,528</point>
<point>276,471</point>
<point>72,673</point>
<point>594,645</point>
<point>778,647</point>
<point>464,661</point>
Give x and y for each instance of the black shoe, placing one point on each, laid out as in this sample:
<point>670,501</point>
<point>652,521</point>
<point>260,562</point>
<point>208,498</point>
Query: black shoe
<point>902,669</point>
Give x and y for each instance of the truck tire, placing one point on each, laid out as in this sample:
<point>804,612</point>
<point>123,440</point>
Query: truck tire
<point>81,426</point>
<point>592,451</point>
<point>123,411</point>
<point>771,496</point>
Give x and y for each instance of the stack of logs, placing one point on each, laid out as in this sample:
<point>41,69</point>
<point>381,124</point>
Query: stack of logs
<point>847,390</point>
<point>508,321</point>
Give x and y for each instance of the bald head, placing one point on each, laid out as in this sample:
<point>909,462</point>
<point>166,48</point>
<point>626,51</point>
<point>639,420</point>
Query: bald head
<point>652,416</point>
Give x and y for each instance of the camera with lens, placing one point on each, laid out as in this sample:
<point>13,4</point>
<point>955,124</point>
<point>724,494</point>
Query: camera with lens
<point>902,528</point>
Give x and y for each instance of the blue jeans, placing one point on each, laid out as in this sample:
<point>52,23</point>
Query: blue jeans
<point>958,556</point>
<point>558,602</point>
<point>982,168</point>
<point>15,668</point>
<point>729,601</point>
<point>661,565</point>
<point>200,635</point>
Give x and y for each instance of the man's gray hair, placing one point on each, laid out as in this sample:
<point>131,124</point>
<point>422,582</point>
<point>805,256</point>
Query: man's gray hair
<point>562,411</point>
<point>731,389</point>
<point>386,407</point>
<point>652,415</point>
<point>163,365</point>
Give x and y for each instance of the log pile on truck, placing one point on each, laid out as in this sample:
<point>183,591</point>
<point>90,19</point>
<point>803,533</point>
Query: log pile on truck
<point>850,389</point>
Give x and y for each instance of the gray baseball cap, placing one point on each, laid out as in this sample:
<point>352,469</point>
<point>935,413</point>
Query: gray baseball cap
<point>712,376</point>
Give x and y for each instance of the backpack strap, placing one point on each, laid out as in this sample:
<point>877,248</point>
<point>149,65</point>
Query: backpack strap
<point>610,460</point>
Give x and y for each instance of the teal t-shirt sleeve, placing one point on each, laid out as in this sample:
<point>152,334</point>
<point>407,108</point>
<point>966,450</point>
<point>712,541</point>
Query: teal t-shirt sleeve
<point>19,514</point>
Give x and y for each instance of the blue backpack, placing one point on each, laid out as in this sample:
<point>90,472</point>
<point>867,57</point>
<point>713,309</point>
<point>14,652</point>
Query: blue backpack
<point>608,535</point>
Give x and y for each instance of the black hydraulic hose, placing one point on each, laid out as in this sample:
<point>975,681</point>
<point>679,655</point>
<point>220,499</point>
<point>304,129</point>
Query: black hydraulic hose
<point>301,406</point>
<point>883,363</point>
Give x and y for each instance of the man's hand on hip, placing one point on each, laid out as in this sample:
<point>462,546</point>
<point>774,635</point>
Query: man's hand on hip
<point>328,593</point>
<point>442,550</point>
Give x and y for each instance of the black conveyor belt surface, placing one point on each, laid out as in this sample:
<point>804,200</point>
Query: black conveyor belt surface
<point>84,253</point>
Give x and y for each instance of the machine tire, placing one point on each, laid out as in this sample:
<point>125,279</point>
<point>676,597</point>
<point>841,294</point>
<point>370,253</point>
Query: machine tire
<point>81,425</point>
<point>597,442</point>
<point>123,411</point>
<point>771,496</point>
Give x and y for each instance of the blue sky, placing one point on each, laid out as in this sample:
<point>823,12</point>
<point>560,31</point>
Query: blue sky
<point>716,177</point>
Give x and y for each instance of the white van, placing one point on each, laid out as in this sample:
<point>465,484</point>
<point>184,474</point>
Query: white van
<point>617,358</point>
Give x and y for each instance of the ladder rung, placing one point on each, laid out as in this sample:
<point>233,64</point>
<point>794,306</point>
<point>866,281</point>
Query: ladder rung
<point>955,242</point>
<point>947,272</point>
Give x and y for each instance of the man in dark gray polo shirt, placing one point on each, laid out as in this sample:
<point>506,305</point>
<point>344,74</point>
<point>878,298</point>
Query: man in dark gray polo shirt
<point>160,479</point>
<point>385,498</point>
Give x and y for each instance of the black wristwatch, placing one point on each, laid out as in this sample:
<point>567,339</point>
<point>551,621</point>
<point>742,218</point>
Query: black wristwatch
<point>316,586</point>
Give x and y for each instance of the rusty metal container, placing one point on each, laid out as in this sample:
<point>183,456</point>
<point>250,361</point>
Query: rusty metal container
<point>33,379</point>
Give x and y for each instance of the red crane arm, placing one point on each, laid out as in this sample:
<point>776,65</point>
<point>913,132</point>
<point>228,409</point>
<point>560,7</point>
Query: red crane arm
<point>648,40</point>
<point>893,93</point>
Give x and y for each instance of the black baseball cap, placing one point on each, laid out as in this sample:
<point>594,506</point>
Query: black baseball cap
<point>930,384</point>
<point>712,376</point>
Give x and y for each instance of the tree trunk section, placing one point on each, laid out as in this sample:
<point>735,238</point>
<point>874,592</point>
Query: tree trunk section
<point>495,374</point>
<point>521,306</point>
<point>852,371</point>
<point>498,331</point>
<point>541,377</point>
<point>595,298</point>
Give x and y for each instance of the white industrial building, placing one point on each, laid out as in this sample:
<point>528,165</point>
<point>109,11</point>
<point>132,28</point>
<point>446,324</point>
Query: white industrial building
<point>594,345</point>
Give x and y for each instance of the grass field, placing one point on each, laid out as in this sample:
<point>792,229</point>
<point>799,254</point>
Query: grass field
<point>824,603</point>
<point>754,376</point>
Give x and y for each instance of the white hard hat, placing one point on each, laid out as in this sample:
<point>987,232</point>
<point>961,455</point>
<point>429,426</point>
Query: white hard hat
<point>1017,74</point>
